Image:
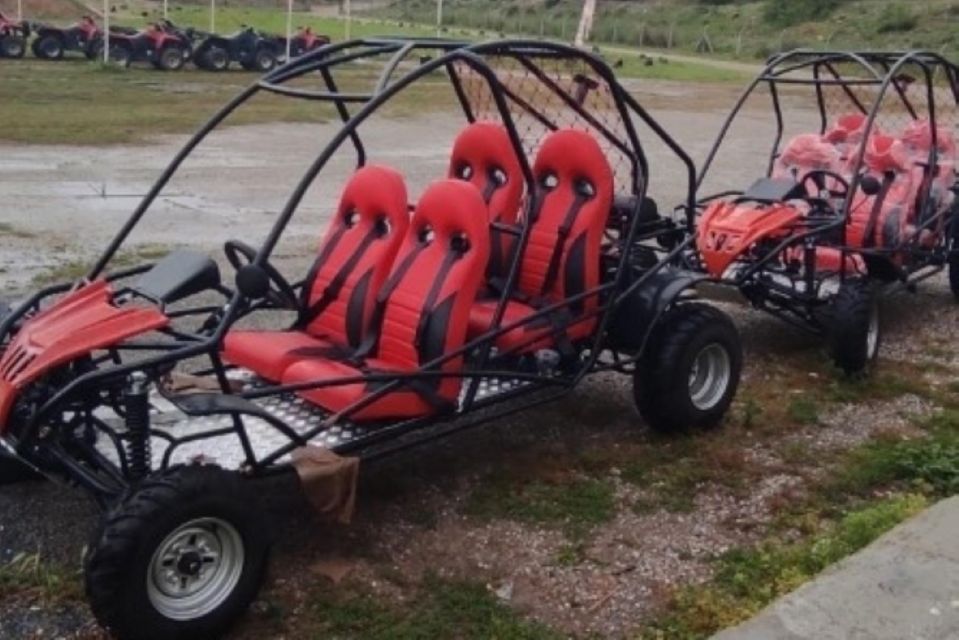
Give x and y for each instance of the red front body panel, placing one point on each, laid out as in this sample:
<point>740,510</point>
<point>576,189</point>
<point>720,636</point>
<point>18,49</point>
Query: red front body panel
<point>80,322</point>
<point>727,230</point>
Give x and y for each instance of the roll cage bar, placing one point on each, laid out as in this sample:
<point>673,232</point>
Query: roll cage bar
<point>436,55</point>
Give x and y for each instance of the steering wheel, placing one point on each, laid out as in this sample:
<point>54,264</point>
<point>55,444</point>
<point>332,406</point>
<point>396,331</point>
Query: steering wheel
<point>279,292</point>
<point>818,177</point>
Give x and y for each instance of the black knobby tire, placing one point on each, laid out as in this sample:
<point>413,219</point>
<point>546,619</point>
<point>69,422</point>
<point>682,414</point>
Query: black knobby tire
<point>48,47</point>
<point>672,386</point>
<point>854,328</point>
<point>216,58</point>
<point>171,58</point>
<point>121,54</point>
<point>126,551</point>
<point>953,256</point>
<point>263,60</point>
<point>12,46</point>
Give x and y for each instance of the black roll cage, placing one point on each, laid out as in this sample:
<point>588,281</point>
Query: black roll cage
<point>436,55</point>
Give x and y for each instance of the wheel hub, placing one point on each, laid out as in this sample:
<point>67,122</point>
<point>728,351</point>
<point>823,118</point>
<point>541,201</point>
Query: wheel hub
<point>195,568</point>
<point>709,376</point>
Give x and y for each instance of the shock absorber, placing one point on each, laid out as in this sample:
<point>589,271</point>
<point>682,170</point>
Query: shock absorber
<point>136,402</point>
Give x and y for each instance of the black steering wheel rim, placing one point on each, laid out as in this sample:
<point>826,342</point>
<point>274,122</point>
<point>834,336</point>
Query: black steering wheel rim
<point>834,194</point>
<point>281,293</point>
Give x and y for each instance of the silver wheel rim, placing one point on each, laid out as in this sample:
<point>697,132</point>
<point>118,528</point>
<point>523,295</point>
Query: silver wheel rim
<point>872,333</point>
<point>195,569</point>
<point>709,376</point>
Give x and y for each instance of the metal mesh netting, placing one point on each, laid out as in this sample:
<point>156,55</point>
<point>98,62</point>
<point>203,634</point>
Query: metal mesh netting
<point>539,89</point>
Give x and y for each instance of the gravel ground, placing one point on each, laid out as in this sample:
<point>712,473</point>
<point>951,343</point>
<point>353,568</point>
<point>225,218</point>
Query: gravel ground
<point>65,202</point>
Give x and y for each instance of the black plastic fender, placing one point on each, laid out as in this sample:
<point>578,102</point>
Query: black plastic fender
<point>636,314</point>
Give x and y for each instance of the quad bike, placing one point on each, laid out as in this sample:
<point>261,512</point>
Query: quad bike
<point>163,44</point>
<point>13,37</point>
<point>253,50</point>
<point>52,42</point>
<point>304,41</point>
<point>859,207</point>
<point>536,260</point>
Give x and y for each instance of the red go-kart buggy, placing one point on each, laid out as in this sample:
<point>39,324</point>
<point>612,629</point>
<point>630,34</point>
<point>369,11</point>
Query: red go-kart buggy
<point>536,260</point>
<point>51,42</point>
<point>857,198</point>
<point>13,37</point>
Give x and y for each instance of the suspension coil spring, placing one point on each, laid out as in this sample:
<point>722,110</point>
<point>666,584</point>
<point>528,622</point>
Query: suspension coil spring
<point>137,405</point>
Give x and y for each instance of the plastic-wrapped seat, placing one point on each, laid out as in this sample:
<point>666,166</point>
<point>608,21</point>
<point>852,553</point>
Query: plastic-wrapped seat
<point>338,296</point>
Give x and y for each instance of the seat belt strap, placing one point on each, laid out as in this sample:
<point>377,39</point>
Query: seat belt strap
<point>317,264</point>
<point>430,302</point>
<point>560,247</point>
<point>332,290</point>
<point>867,238</point>
<point>369,343</point>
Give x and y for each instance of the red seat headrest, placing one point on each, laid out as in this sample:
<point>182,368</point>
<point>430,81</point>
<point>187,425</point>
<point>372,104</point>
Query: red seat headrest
<point>848,128</point>
<point>484,155</point>
<point>885,153</point>
<point>811,151</point>
<point>918,134</point>
<point>573,158</point>
<point>374,195</point>
<point>447,210</point>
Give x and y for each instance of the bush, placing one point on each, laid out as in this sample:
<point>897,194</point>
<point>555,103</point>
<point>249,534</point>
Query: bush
<point>785,13</point>
<point>897,18</point>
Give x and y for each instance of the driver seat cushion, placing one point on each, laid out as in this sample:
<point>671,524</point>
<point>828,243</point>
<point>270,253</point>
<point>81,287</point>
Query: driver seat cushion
<point>483,155</point>
<point>358,249</point>
<point>562,259</point>
<point>423,311</point>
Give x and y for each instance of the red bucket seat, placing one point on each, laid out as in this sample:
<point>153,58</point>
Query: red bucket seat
<point>882,220</point>
<point>484,155</point>
<point>574,185</point>
<point>421,312</point>
<point>338,294</point>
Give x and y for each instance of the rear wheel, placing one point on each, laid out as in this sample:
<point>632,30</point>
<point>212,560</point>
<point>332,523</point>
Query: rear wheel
<point>854,332</point>
<point>48,47</point>
<point>12,46</point>
<point>121,54</point>
<point>181,556</point>
<point>171,58</point>
<point>263,60</point>
<point>689,373</point>
<point>216,58</point>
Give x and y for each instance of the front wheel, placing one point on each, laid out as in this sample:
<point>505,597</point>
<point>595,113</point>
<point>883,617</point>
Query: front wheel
<point>171,58</point>
<point>216,58</point>
<point>12,46</point>
<point>854,331</point>
<point>181,556</point>
<point>688,375</point>
<point>263,60</point>
<point>48,47</point>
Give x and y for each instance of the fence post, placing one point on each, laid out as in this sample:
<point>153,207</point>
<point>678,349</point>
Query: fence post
<point>669,39</point>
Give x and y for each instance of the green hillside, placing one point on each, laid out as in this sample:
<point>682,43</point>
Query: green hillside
<point>746,29</point>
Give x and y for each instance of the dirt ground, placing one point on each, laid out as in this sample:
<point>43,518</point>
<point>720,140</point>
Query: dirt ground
<point>415,517</point>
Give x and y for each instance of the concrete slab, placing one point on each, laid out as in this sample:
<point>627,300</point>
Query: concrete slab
<point>904,586</point>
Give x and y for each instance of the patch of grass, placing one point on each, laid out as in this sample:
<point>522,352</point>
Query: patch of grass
<point>72,270</point>
<point>659,68</point>
<point>803,410</point>
<point>28,576</point>
<point>7,229</point>
<point>575,504</point>
<point>672,473</point>
<point>441,609</point>
<point>746,580</point>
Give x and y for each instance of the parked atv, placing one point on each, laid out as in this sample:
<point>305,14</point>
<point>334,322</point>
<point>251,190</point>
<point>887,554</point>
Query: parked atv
<point>163,44</point>
<point>13,37</point>
<point>305,41</point>
<point>253,50</point>
<point>52,42</point>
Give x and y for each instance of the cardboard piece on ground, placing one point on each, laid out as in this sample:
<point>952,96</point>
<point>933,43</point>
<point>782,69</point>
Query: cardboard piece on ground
<point>328,480</point>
